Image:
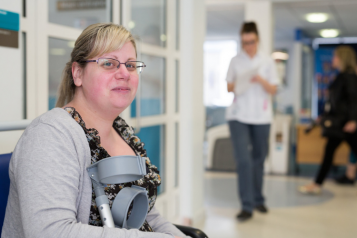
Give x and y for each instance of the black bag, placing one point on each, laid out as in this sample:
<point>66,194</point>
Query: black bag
<point>332,125</point>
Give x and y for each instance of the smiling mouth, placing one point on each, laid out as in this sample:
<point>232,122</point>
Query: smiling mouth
<point>121,89</point>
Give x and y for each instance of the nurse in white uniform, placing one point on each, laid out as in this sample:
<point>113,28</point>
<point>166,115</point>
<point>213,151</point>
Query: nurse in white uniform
<point>252,77</point>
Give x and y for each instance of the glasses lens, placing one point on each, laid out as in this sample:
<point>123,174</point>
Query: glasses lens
<point>139,67</point>
<point>133,66</point>
<point>247,43</point>
<point>108,64</point>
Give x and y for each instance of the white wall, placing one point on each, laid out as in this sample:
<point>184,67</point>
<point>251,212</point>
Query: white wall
<point>11,86</point>
<point>261,13</point>
<point>11,83</point>
<point>290,94</point>
<point>284,96</point>
<point>192,112</point>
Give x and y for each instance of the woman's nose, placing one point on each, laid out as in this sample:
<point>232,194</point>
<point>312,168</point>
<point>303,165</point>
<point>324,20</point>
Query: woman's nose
<point>123,72</point>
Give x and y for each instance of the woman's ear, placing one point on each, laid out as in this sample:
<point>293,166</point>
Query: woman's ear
<point>77,73</point>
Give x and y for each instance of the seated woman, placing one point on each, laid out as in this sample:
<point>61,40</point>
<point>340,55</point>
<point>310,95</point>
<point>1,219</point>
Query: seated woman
<point>51,193</point>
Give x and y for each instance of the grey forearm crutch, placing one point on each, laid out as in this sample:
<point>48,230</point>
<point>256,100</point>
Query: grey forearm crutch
<point>117,170</point>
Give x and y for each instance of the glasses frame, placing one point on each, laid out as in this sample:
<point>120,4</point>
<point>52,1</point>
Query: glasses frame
<point>249,43</point>
<point>97,60</point>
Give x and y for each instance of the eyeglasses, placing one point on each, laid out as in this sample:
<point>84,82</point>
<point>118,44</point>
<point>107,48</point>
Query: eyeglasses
<point>246,43</point>
<point>112,65</point>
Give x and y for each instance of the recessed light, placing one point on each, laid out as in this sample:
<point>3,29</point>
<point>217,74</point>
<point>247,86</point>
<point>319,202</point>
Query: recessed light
<point>277,55</point>
<point>316,17</point>
<point>329,33</point>
<point>131,25</point>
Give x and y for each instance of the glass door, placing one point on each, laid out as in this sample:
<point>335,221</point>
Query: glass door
<point>155,111</point>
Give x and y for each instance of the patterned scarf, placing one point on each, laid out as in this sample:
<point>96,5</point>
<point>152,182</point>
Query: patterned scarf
<point>150,181</point>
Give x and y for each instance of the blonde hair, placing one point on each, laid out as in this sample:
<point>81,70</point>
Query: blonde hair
<point>95,40</point>
<point>347,57</point>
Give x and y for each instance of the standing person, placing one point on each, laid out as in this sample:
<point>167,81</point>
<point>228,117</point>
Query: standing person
<point>252,77</point>
<point>339,121</point>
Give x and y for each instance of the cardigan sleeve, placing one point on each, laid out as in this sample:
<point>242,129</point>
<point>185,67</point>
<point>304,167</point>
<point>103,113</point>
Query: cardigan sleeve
<point>45,175</point>
<point>160,224</point>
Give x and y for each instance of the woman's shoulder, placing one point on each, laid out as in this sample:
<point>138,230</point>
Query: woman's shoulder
<point>346,78</point>
<point>351,81</point>
<point>265,57</point>
<point>53,133</point>
<point>347,75</point>
<point>344,81</point>
<point>236,58</point>
<point>58,119</point>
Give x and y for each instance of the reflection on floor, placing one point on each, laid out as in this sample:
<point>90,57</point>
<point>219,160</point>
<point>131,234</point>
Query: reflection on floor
<point>292,215</point>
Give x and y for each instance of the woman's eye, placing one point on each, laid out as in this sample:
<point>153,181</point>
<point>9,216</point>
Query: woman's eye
<point>108,64</point>
<point>130,66</point>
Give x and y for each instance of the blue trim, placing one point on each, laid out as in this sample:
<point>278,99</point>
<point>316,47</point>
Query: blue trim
<point>149,107</point>
<point>152,136</point>
<point>9,20</point>
<point>4,184</point>
<point>298,35</point>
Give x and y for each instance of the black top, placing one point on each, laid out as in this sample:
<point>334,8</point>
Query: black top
<point>343,96</point>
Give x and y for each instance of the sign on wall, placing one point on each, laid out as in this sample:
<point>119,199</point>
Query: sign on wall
<point>9,29</point>
<point>70,5</point>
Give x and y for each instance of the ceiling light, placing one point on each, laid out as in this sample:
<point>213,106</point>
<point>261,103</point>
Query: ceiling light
<point>316,17</point>
<point>280,55</point>
<point>329,33</point>
<point>131,24</point>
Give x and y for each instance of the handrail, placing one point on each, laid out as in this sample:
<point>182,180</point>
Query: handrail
<point>14,125</point>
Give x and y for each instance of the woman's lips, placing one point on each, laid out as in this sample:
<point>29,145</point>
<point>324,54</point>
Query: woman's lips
<point>121,89</point>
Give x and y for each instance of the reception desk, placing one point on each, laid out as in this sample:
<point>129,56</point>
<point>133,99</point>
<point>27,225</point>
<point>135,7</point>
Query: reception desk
<point>310,148</point>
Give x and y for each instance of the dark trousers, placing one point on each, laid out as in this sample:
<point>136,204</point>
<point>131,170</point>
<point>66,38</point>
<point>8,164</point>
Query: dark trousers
<point>353,158</point>
<point>330,148</point>
<point>250,146</point>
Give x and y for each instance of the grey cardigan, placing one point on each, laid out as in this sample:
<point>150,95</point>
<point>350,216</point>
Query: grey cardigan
<point>50,190</point>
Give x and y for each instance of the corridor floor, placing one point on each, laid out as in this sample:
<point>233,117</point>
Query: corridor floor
<point>293,215</point>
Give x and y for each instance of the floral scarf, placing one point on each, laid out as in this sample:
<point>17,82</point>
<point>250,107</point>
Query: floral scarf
<point>150,181</point>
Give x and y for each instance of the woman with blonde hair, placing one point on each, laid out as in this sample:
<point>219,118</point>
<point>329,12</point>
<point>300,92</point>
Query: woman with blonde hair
<point>51,193</point>
<point>339,121</point>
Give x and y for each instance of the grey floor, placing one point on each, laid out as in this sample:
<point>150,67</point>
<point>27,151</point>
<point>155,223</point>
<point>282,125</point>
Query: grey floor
<point>222,192</point>
<point>329,215</point>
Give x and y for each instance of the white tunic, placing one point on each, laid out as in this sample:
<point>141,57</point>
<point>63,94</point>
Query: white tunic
<point>251,104</point>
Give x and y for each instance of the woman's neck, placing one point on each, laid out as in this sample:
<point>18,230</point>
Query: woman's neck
<point>252,54</point>
<point>101,120</point>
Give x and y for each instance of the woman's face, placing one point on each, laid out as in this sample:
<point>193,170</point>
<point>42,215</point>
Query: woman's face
<point>250,43</point>
<point>110,90</point>
<point>336,62</point>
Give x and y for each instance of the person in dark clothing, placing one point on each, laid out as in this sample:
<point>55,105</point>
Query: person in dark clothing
<point>342,107</point>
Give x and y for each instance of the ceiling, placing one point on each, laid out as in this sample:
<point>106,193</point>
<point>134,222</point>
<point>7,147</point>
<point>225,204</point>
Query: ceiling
<point>225,17</point>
